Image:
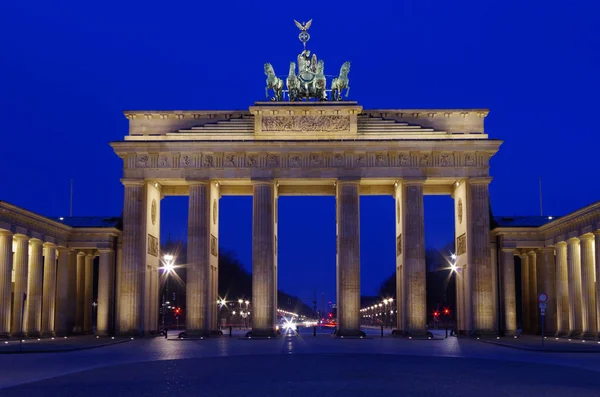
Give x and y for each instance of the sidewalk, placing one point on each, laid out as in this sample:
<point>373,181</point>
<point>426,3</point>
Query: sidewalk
<point>551,344</point>
<point>58,344</point>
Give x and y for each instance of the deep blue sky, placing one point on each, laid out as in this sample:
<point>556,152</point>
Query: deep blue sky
<point>69,68</point>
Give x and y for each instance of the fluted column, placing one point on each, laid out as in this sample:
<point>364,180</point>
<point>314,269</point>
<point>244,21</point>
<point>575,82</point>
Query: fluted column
<point>533,292</point>
<point>478,246</point>
<point>263,258</point>
<point>33,307</point>
<point>525,296</point>
<point>20,264</point>
<point>508,279</point>
<point>597,257</point>
<point>6,259</point>
<point>562,289</point>
<point>198,253</point>
<point>49,290</point>
<point>348,258</point>
<point>588,295</point>
<point>574,270</point>
<point>61,323</point>
<point>88,294</point>
<point>105,291</point>
<point>80,293</point>
<point>547,284</point>
<point>132,269</point>
<point>72,290</point>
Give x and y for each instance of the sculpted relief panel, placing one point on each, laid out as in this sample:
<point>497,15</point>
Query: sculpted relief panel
<point>361,159</point>
<point>305,123</point>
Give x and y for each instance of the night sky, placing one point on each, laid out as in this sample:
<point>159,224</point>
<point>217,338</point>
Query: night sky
<point>69,68</point>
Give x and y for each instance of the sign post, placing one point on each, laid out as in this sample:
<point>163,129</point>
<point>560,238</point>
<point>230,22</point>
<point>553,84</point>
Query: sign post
<point>542,299</point>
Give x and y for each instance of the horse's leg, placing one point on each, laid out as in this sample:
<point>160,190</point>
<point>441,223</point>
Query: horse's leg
<point>267,91</point>
<point>347,90</point>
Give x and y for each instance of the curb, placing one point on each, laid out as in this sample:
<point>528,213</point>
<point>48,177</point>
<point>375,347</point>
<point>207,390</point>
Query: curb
<point>72,349</point>
<point>539,349</point>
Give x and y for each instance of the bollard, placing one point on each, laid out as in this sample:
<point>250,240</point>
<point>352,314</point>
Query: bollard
<point>446,332</point>
<point>314,330</point>
<point>382,331</point>
<point>230,330</point>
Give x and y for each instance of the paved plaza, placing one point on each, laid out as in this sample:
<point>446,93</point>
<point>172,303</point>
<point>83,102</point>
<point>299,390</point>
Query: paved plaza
<point>319,365</point>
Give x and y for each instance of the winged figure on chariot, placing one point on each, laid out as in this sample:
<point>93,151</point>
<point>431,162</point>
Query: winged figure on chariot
<point>310,82</point>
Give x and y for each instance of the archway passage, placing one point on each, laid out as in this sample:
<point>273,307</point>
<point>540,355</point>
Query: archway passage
<point>332,149</point>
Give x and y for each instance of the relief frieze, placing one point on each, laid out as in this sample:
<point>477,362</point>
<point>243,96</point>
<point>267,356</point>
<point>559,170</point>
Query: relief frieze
<point>305,123</point>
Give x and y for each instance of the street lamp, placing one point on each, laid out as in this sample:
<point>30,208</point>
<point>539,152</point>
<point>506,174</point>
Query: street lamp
<point>167,268</point>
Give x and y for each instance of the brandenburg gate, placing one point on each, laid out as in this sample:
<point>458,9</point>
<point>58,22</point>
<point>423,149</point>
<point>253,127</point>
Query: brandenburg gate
<point>304,142</point>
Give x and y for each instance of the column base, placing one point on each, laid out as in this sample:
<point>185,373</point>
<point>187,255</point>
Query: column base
<point>589,335</point>
<point>350,333</point>
<point>261,333</point>
<point>48,334</point>
<point>33,334</point>
<point>512,332</point>
<point>574,334</point>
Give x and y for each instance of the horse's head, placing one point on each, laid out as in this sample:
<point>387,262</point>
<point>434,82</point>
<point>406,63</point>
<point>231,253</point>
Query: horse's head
<point>292,68</point>
<point>320,66</point>
<point>345,68</point>
<point>269,69</point>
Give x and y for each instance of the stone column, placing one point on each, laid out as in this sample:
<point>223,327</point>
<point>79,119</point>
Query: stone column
<point>6,259</point>
<point>63,306</point>
<point>263,259</point>
<point>33,306</point>
<point>414,258</point>
<point>20,264</point>
<point>80,293</point>
<point>88,295</point>
<point>508,278</point>
<point>132,269</point>
<point>547,284</point>
<point>562,289</point>
<point>49,290</point>
<point>533,293</point>
<point>588,301</point>
<point>478,247</point>
<point>348,258</point>
<point>213,274</point>
<point>574,271</point>
<point>198,257</point>
<point>105,291</point>
<point>525,295</point>
<point>72,290</point>
<point>400,288</point>
<point>597,241</point>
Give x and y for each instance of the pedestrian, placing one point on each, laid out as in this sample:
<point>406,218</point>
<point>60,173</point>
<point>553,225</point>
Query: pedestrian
<point>166,332</point>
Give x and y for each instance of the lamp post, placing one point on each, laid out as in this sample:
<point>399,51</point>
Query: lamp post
<point>167,268</point>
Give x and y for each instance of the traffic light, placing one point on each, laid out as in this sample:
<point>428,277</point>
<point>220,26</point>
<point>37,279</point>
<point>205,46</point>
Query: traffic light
<point>446,312</point>
<point>436,314</point>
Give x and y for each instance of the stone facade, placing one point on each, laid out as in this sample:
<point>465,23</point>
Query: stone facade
<point>317,148</point>
<point>35,263</point>
<point>558,256</point>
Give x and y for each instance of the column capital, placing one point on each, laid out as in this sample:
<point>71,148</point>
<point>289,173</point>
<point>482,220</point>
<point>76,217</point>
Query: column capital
<point>79,253</point>
<point>62,248</point>
<point>20,237</point>
<point>573,240</point>
<point>195,182</point>
<point>480,180</point>
<point>35,241</point>
<point>596,232</point>
<point>263,181</point>
<point>348,181</point>
<point>531,253</point>
<point>49,245</point>
<point>413,181</point>
<point>90,256</point>
<point>561,244</point>
<point>587,236</point>
<point>4,232</point>
<point>547,249</point>
<point>132,182</point>
<point>508,249</point>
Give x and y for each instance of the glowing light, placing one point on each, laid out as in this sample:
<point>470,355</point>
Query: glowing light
<point>155,184</point>
<point>453,257</point>
<point>246,302</point>
<point>240,301</point>
<point>550,217</point>
<point>453,267</point>
<point>61,218</point>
